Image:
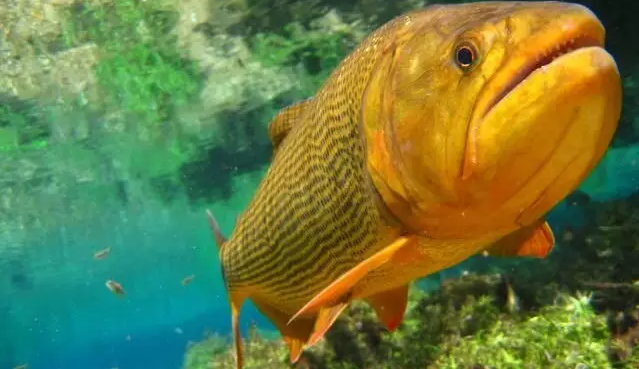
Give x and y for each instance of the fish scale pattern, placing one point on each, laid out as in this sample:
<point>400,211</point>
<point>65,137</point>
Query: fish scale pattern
<point>313,216</point>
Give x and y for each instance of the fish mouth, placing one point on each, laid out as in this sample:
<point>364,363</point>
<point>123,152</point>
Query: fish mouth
<point>554,63</point>
<point>551,54</point>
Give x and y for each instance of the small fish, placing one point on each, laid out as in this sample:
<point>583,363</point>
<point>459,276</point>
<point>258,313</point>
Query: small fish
<point>178,330</point>
<point>23,366</point>
<point>449,131</point>
<point>512,300</point>
<point>99,255</point>
<point>114,287</point>
<point>568,236</point>
<point>188,279</point>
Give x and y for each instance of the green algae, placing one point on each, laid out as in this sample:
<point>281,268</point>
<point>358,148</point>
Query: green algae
<point>463,325</point>
<point>568,334</point>
<point>141,73</point>
<point>199,354</point>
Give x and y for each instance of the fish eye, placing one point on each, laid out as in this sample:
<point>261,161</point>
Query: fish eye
<point>465,56</point>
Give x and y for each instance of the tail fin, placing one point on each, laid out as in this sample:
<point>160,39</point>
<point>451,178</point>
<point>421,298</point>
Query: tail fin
<point>236,304</point>
<point>220,240</point>
<point>235,299</point>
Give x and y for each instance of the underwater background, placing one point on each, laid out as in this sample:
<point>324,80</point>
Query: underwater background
<point>121,121</point>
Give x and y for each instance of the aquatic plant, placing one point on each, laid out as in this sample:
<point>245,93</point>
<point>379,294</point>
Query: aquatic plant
<point>317,50</point>
<point>23,125</point>
<point>566,334</point>
<point>198,354</point>
<point>140,69</point>
<point>464,324</point>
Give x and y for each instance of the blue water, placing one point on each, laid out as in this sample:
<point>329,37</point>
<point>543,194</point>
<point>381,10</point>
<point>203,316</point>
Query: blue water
<point>58,313</point>
<point>156,347</point>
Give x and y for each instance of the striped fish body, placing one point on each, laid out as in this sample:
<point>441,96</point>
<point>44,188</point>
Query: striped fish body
<point>315,214</point>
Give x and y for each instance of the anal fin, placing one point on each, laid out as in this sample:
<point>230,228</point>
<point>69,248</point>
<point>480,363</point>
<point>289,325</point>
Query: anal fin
<point>295,335</point>
<point>325,319</point>
<point>390,306</point>
<point>536,240</point>
<point>400,250</point>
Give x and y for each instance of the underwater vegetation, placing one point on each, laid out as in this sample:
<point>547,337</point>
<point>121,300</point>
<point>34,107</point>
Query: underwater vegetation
<point>440,332</point>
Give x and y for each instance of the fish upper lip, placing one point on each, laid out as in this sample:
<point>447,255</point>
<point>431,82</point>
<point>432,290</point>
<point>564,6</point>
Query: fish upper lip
<point>557,40</point>
<point>549,54</point>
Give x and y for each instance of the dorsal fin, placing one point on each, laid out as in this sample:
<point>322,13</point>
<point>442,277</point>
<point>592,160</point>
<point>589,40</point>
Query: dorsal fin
<point>285,119</point>
<point>220,240</point>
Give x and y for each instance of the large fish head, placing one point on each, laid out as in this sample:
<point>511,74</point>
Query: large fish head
<point>481,117</point>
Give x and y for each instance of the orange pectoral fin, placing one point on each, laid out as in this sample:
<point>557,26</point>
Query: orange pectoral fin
<point>390,306</point>
<point>536,240</point>
<point>335,292</point>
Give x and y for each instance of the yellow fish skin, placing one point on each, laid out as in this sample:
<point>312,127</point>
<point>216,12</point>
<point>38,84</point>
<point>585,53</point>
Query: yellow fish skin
<point>450,131</point>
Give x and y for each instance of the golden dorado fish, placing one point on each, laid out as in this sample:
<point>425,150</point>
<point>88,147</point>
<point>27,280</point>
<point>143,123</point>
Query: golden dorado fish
<point>450,131</point>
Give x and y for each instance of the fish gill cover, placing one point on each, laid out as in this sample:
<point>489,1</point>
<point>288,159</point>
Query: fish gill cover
<point>122,120</point>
